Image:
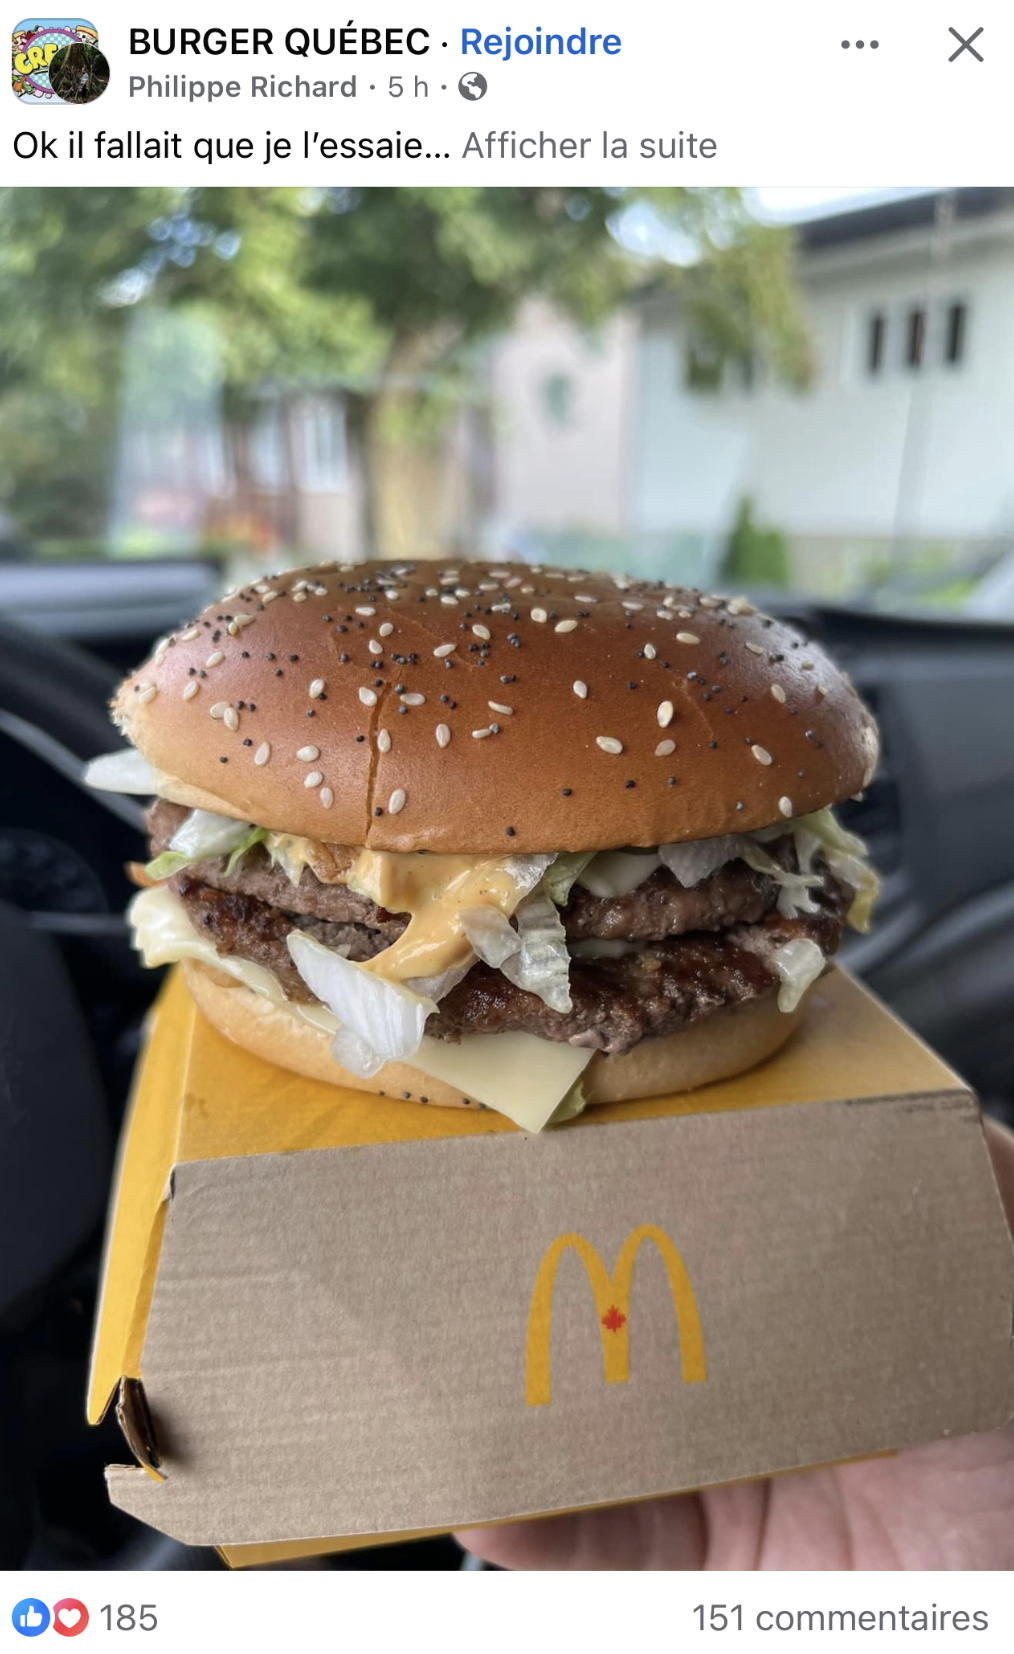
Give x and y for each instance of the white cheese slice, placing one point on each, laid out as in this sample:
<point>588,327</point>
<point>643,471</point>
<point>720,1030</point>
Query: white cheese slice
<point>518,1075</point>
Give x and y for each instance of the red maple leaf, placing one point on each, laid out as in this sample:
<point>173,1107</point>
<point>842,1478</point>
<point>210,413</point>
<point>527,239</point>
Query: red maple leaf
<point>613,1319</point>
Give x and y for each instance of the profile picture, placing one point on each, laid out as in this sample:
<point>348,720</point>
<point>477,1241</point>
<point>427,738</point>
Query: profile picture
<point>79,73</point>
<point>56,60</point>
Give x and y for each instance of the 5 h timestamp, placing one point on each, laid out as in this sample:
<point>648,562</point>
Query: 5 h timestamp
<point>128,1618</point>
<point>719,1616</point>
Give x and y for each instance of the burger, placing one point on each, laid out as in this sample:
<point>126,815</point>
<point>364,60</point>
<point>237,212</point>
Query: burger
<point>495,835</point>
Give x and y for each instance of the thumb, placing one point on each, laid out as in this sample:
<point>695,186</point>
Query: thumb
<point>1000,1142</point>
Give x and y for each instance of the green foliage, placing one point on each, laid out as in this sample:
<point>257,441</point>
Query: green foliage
<point>755,556</point>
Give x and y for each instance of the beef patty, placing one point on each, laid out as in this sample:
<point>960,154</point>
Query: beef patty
<point>660,988</point>
<point>657,908</point>
<point>697,951</point>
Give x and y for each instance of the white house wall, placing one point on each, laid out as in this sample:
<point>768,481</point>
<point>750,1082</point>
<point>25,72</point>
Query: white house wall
<point>833,462</point>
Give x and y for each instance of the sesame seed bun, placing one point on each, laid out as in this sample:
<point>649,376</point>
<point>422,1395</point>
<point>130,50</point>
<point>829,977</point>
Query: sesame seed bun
<point>724,1043</point>
<point>499,707</point>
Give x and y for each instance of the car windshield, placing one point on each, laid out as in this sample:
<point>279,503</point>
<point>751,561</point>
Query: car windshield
<point>781,391</point>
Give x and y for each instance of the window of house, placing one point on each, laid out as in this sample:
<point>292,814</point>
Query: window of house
<point>324,446</point>
<point>557,392</point>
<point>954,336</point>
<point>876,343</point>
<point>915,337</point>
<point>269,462</point>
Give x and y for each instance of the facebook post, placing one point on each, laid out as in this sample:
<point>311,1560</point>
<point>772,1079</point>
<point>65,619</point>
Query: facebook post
<point>506,877</point>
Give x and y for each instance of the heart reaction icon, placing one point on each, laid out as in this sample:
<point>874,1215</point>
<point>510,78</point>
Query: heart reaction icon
<point>69,1617</point>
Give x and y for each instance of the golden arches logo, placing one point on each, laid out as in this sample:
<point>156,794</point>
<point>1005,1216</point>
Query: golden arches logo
<point>612,1304</point>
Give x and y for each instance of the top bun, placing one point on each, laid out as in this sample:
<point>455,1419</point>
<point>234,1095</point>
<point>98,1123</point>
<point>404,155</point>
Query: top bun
<point>483,707</point>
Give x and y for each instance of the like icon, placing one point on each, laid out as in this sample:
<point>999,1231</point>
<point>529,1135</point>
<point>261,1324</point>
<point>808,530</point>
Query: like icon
<point>70,1616</point>
<point>30,1617</point>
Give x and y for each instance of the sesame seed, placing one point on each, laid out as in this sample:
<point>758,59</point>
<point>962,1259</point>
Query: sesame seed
<point>375,648</point>
<point>191,690</point>
<point>480,734</point>
<point>314,779</point>
<point>383,740</point>
<point>778,692</point>
<point>443,650</point>
<point>219,709</point>
<point>263,753</point>
<point>628,603</point>
<point>237,623</point>
<point>396,802</point>
<point>540,616</point>
<point>230,718</point>
<point>565,626</point>
<point>483,632</point>
<point>269,597</point>
<point>147,694</point>
<point>821,691</point>
<point>583,597</point>
<point>443,735</point>
<point>189,635</point>
<point>664,748</point>
<point>215,659</point>
<point>808,665</point>
<point>449,601</point>
<point>326,797</point>
<point>368,697</point>
<point>609,743</point>
<point>755,649</point>
<point>665,714</point>
<point>308,754</point>
<point>740,606</point>
<point>386,629</point>
<point>366,610</point>
<point>761,754</point>
<point>687,637</point>
<point>580,689</point>
<point>649,651</point>
<point>496,706</point>
<point>316,689</point>
<point>785,805</point>
<point>299,597</point>
<point>414,699</point>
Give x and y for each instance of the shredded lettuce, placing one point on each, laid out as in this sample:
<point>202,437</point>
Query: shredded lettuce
<point>168,863</point>
<point>798,963</point>
<point>618,872</point>
<point>793,888</point>
<point>490,935</point>
<point>380,1021</point>
<point>256,835</point>
<point>123,771</point>
<point>566,868</point>
<point>288,852</point>
<point>692,862</point>
<point>542,965</point>
<point>201,837</point>
<point>845,854</point>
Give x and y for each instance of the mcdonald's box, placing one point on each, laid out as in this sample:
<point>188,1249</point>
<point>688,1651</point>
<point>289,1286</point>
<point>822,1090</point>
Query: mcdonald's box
<point>329,1319</point>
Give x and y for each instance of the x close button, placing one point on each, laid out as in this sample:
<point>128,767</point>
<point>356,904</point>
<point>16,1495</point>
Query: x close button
<point>966,45</point>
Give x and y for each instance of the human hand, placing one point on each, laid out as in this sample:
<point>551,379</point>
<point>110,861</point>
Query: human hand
<point>947,1505</point>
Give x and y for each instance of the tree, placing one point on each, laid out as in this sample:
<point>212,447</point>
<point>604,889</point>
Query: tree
<point>386,292</point>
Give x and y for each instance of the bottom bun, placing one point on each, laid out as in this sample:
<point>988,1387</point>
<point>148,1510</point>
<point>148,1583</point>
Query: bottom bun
<point>725,1043</point>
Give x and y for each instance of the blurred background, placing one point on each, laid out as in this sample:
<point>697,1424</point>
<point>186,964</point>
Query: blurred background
<point>812,392</point>
<point>807,396</point>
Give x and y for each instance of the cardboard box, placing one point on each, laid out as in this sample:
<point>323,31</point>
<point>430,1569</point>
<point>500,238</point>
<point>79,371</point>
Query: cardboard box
<point>340,1316</point>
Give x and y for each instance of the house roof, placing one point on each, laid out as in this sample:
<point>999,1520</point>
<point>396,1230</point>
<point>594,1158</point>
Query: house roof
<point>905,212</point>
